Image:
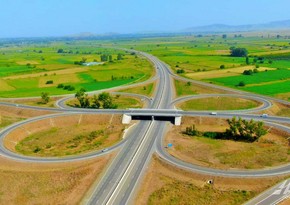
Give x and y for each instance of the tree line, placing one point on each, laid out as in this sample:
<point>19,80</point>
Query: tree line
<point>103,100</point>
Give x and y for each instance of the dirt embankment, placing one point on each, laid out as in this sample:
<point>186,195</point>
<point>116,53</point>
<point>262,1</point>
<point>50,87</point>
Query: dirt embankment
<point>37,183</point>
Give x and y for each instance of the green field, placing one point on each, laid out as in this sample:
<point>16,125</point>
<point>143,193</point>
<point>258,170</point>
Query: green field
<point>266,82</point>
<point>194,55</point>
<point>25,70</point>
<point>218,103</point>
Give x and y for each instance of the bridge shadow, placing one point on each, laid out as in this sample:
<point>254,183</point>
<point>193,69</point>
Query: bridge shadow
<point>156,118</point>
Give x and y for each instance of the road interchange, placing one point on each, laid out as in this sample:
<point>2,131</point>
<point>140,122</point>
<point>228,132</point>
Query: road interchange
<point>125,172</point>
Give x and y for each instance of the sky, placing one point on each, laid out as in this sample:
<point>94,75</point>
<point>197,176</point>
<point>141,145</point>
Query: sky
<point>45,18</point>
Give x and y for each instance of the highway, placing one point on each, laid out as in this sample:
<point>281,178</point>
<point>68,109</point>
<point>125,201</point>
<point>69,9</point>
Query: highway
<point>122,177</point>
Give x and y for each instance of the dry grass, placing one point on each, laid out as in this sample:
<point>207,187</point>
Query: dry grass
<point>36,183</point>
<point>285,202</point>
<point>270,150</point>
<point>223,72</point>
<point>165,184</point>
<point>48,73</point>
<point>183,89</point>
<point>27,62</point>
<point>10,115</point>
<point>278,109</point>
<point>147,89</point>
<point>34,101</point>
<point>5,86</point>
<point>69,78</point>
<point>66,135</point>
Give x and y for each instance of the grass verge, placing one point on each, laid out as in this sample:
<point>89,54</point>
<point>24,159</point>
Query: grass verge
<point>218,103</point>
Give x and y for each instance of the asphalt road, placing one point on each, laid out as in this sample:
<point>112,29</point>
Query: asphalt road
<point>122,177</point>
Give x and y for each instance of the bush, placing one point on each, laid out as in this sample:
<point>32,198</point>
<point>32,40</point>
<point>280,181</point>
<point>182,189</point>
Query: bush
<point>60,50</point>
<point>248,72</point>
<point>49,82</point>
<point>60,86</point>
<point>191,131</point>
<point>180,71</point>
<point>242,83</point>
<point>222,67</point>
<point>238,52</point>
<point>37,149</point>
<point>69,87</point>
<point>255,70</point>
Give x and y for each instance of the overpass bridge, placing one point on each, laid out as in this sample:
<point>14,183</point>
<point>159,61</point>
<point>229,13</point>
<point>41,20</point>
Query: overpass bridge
<point>170,115</point>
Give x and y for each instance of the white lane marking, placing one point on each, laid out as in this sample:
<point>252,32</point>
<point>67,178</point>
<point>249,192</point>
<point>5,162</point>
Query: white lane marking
<point>117,190</point>
<point>276,192</point>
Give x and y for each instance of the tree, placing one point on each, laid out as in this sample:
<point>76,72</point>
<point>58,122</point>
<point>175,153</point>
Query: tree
<point>119,56</point>
<point>224,36</point>
<point>95,102</point>
<point>238,52</point>
<point>60,50</point>
<point>222,66</point>
<point>247,60</point>
<point>83,98</point>
<point>243,130</point>
<point>45,98</point>
<point>104,57</point>
<point>107,101</point>
<point>191,131</point>
<point>248,72</point>
<point>110,58</point>
<point>241,83</point>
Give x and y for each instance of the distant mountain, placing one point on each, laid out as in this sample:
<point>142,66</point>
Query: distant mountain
<point>217,28</point>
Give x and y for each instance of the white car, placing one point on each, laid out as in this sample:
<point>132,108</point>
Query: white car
<point>213,113</point>
<point>264,115</point>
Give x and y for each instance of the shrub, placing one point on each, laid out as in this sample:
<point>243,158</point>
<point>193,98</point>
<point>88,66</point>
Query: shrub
<point>248,72</point>
<point>222,67</point>
<point>49,82</point>
<point>37,149</point>
<point>241,83</point>
<point>60,85</point>
<point>180,71</point>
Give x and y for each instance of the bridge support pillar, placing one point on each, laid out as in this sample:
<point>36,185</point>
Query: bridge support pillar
<point>126,119</point>
<point>177,121</point>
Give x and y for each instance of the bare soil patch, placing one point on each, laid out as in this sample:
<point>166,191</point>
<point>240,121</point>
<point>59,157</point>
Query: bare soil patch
<point>270,150</point>
<point>165,184</point>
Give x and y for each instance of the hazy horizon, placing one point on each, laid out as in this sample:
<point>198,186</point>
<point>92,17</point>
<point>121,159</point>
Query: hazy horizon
<point>38,18</point>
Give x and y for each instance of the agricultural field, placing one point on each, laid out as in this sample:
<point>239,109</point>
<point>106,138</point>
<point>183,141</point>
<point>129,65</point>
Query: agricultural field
<point>208,58</point>
<point>59,68</point>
